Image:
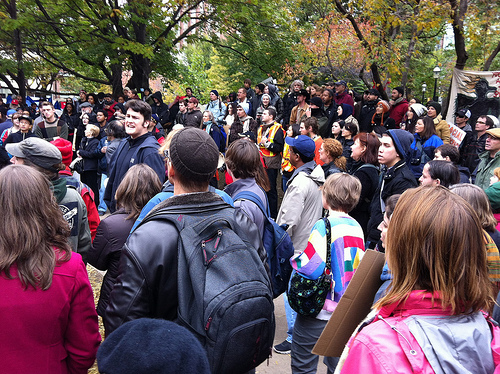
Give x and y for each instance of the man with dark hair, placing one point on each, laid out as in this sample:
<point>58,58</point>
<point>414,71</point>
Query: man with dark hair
<point>315,110</point>
<point>396,178</point>
<point>461,121</point>
<point>180,118</point>
<point>290,100</point>
<point>160,278</point>
<point>250,94</point>
<point>101,118</point>
<point>477,143</point>
<point>271,139</point>
<point>50,127</point>
<point>140,147</point>
<point>298,113</point>
<point>257,99</point>
<point>193,117</point>
<point>330,110</point>
<point>368,110</point>
<point>160,109</point>
<point>448,152</point>
<point>301,208</point>
<point>399,105</point>
<point>109,104</point>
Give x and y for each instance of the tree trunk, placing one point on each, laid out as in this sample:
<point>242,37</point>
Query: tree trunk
<point>490,59</point>
<point>458,11</point>
<point>116,83</point>
<point>378,81</point>
<point>20,76</point>
<point>411,50</point>
<point>141,68</point>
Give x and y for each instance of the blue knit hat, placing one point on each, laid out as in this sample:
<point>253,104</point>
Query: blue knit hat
<point>215,92</point>
<point>402,141</point>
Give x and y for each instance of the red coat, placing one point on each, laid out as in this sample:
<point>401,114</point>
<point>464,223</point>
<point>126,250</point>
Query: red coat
<point>398,111</point>
<point>53,331</point>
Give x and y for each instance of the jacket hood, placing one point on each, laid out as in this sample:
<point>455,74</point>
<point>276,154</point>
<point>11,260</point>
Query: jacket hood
<point>347,110</point>
<point>467,337</point>
<point>157,95</point>
<point>59,189</point>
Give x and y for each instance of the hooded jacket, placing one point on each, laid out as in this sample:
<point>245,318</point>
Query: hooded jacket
<point>302,204</point>
<point>75,213</point>
<point>394,180</point>
<point>442,129</point>
<point>418,336</point>
<point>218,109</point>
<point>160,109</point>
<point>276,102</point>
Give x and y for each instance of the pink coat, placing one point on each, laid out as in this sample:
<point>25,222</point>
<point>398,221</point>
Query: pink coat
<point>378,348</point>
<point>53,331</point>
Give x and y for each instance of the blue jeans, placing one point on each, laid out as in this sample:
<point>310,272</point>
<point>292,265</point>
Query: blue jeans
<point>102,208</point>
<point>291,315</point>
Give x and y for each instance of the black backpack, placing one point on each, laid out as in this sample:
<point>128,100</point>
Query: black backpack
<point>225,296</point>
<point>278,244</point>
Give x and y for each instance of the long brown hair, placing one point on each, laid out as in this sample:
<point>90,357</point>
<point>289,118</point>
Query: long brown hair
<point>34,232</point>
<point>137,187</point>
<point>243,159</point>
<point>429,251</point>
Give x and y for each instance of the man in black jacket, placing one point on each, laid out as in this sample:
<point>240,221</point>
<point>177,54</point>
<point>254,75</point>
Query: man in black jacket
<point>368,110</point>
<point>396,178</point>
<point>148,279</point>
<point>160,109</point>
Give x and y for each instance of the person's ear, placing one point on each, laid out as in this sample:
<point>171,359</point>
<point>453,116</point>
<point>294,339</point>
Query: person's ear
<point>437,182</point>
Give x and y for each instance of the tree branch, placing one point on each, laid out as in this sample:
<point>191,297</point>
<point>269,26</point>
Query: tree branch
<point>490,59</point>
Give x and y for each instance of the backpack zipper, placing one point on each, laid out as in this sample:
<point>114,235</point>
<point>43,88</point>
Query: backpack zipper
<point>217,237</point>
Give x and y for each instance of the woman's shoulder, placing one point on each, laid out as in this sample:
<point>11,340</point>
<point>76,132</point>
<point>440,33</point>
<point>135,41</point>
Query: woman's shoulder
<point>72,267</point>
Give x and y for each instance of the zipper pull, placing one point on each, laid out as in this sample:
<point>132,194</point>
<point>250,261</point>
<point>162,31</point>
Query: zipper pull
<point>219,235</point>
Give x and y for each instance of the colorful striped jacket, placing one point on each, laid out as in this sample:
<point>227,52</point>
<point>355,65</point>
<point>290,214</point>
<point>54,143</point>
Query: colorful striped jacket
<point>347,250</point>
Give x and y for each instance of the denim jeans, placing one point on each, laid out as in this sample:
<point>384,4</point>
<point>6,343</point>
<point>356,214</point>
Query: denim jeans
<point>102,208</point>
<point>291,315</point>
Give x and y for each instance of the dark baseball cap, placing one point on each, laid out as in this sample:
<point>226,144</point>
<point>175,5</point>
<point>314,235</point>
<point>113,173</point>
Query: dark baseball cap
<point>341,83</point>
<point>303,144</point>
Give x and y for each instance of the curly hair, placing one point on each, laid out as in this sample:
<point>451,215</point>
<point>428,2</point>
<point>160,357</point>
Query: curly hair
<point>333,148</point>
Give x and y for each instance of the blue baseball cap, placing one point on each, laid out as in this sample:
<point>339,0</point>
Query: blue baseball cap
<point>303,144</point>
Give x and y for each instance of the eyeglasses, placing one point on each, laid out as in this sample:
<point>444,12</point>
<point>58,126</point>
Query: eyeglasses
<point>460,116</point>
<point>481,122</point>
<point>166,154</point>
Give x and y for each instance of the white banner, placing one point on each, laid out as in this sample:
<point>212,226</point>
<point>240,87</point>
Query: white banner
<point>478,91</point>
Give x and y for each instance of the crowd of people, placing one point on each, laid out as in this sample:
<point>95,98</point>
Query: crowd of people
<point>181,244</point>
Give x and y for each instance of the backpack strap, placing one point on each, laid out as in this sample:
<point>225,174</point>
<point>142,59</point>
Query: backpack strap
<point>251,196</point>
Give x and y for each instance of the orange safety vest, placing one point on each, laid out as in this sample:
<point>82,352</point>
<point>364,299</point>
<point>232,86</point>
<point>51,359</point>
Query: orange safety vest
<point>285,161</point>
<point>271,133</point>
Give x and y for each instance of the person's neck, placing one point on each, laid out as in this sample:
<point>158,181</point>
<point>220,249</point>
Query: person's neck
<point>180,190</point>
<point>481,133</point>
<point>268,123</point>
<point>302,105</point>
<point>392,163</point>
<point>493,153</point>
<point>51,120</point>
<point>139,135</point>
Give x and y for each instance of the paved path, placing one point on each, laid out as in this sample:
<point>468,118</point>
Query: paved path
<point>280,364</point>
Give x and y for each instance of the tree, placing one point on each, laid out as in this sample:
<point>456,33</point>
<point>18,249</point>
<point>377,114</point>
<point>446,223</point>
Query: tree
<point>96,39</point>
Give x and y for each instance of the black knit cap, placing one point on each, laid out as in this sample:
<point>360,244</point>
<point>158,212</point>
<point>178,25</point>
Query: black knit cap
<point>194,154</point>
<point>146,346</point>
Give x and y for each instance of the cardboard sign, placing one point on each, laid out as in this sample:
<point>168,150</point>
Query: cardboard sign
<point>457,135</point>
<point>353,307</point>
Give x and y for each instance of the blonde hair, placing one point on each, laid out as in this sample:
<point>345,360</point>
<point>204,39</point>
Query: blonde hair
<point>497,172</point>
<point>342,191</point>
<point>94,130</point>
<point>430,252</point>
<point>334,149</point>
